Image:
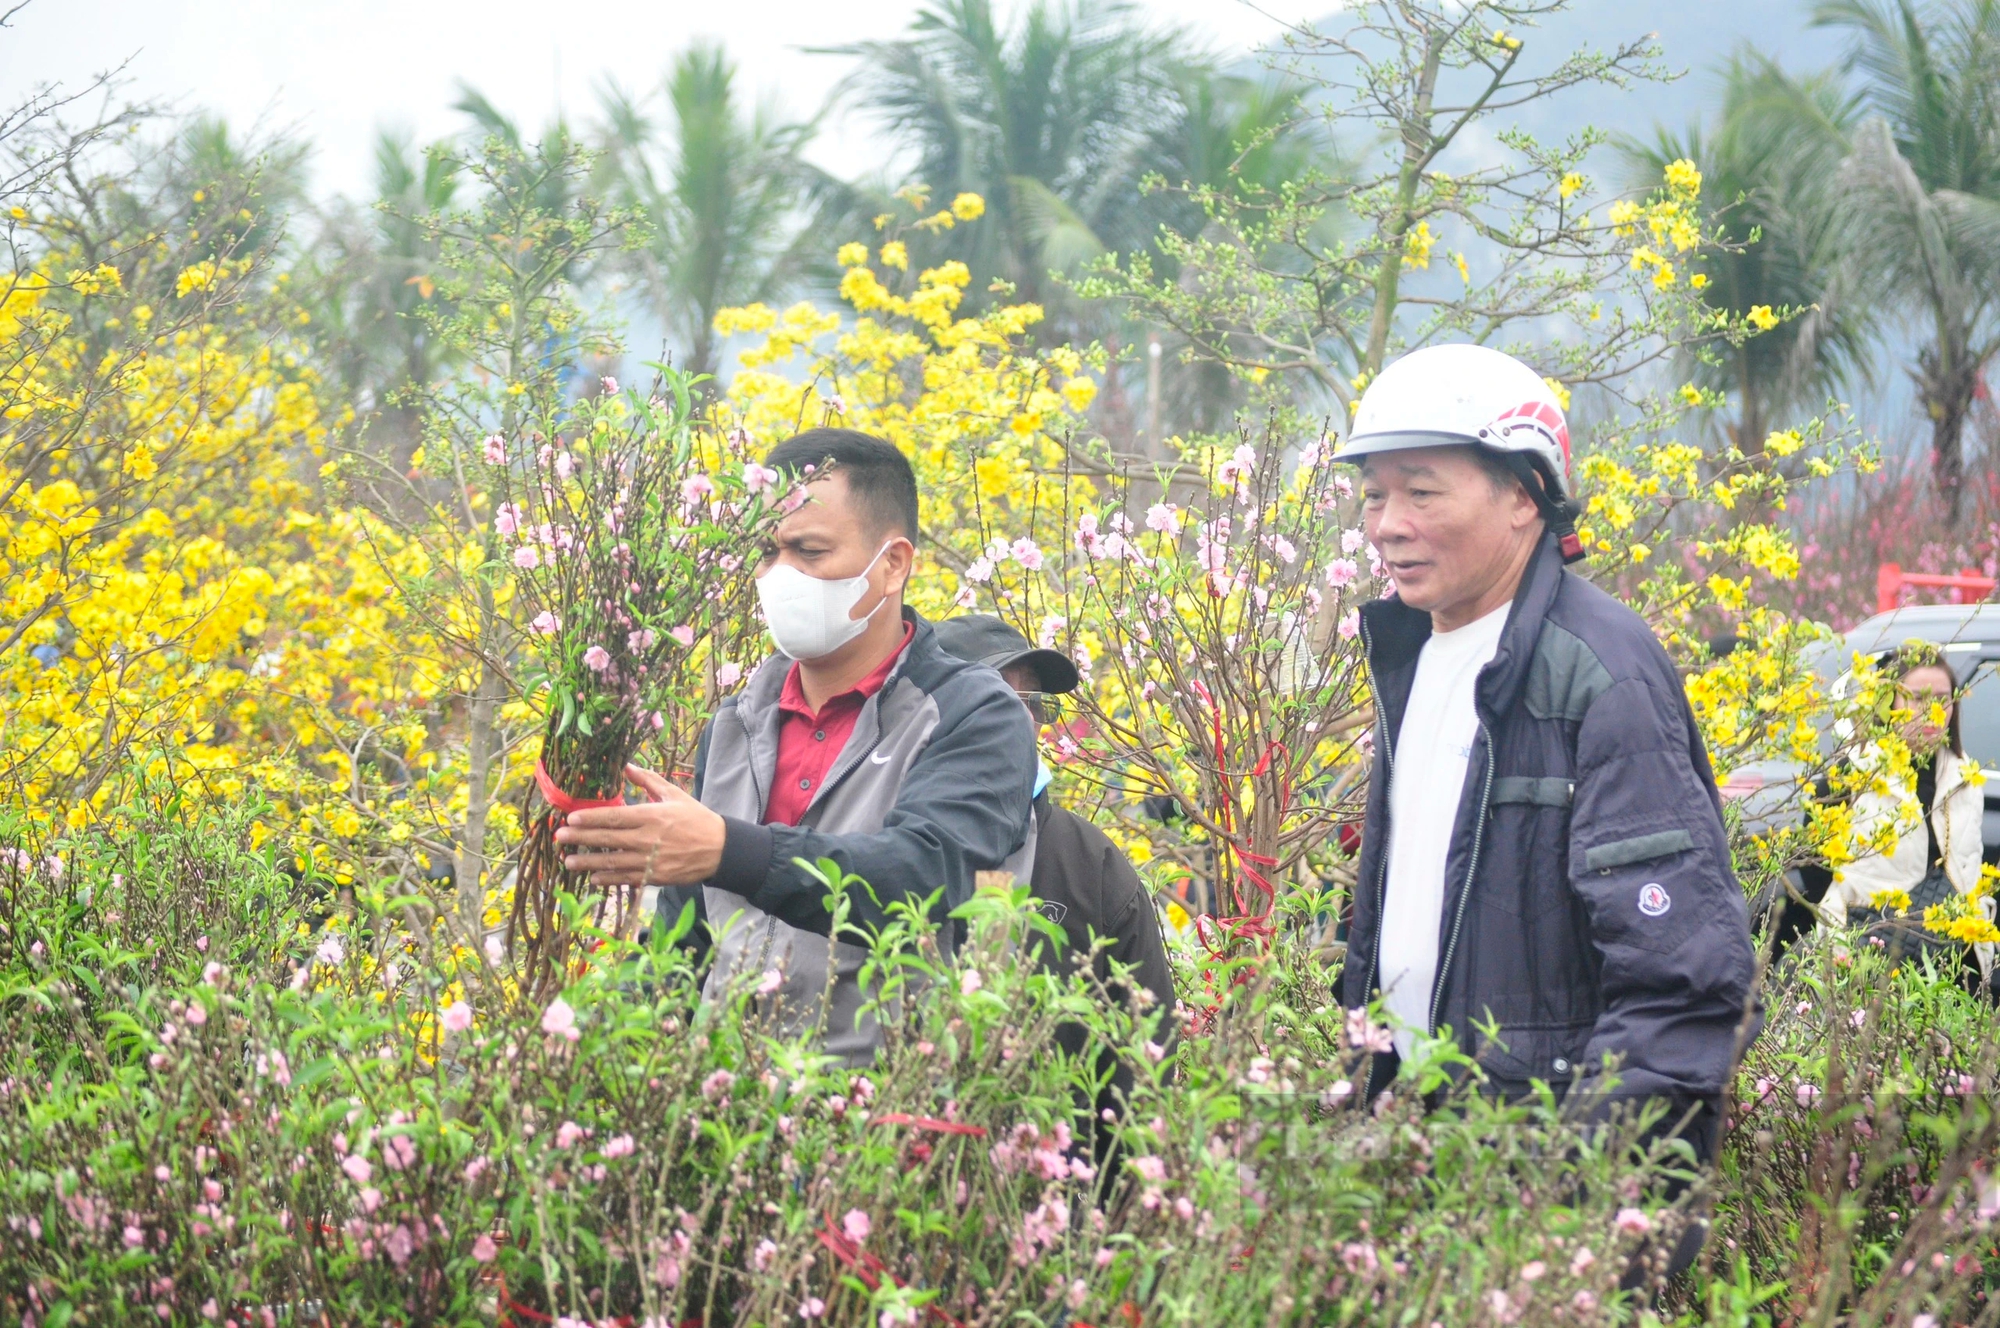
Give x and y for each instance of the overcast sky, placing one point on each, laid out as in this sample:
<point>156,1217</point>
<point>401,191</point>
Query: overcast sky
<point>337,70</point>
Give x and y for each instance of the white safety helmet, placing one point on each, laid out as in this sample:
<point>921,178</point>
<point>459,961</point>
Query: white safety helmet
<point>1463,394</point>
<point>1472,395</point>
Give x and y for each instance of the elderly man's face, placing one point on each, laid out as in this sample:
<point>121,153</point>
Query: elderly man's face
<point>1446,531</point>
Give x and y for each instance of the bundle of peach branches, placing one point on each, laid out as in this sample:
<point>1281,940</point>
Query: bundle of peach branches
<point>631,531</point>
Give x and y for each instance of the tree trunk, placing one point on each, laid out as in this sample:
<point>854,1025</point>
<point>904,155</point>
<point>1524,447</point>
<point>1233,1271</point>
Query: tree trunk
<point>1947,382</point>
<point>482,738</point>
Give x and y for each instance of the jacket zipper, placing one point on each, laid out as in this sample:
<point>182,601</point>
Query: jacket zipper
<point>826,791</point>
<point>1389,765</point>
<point>770,923</point>
<point>1471,869</point>
<point>762,796</point>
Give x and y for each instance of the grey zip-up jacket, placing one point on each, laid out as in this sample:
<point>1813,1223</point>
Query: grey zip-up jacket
<point>932,787</point>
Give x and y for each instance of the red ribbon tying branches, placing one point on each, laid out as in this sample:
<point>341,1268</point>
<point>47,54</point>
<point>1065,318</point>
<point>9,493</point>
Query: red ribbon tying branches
<point>509,1307</point>
<point>562,801</point>
<point>929,1123</point>
<point>1255,925</point>
<point>872,1270</point>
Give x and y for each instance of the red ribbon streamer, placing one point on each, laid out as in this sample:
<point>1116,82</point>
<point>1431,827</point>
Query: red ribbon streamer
<point>562,801</point>
<point>509,1307</point>
<point>870,1269</point>
<point>929,1123</point>
<point>1257,926</point>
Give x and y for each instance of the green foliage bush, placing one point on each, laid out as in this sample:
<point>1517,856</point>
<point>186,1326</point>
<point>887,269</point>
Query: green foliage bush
<point>230,1096</point>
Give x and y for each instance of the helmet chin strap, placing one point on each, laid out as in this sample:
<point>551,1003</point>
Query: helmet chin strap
<point>1559,513</point>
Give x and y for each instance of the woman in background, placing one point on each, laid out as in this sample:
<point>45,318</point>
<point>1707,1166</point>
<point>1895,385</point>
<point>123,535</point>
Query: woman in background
<point>1933,858</point>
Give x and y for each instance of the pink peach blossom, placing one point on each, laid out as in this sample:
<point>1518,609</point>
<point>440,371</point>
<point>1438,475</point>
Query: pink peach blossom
<point>560,1019</point>
<point>1632,1222</point>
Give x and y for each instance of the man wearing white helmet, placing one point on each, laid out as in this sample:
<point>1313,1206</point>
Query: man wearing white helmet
<point>1544,848</point>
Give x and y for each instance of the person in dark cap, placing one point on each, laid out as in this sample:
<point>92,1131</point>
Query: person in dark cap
<point>1081,880</point>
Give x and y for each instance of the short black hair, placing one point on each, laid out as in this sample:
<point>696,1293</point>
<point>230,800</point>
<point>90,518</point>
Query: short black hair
<point>1500,472</point>
<point>878,474</point>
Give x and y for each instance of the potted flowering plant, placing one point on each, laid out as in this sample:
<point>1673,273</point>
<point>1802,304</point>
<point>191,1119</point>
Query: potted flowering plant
<point>629,530</point>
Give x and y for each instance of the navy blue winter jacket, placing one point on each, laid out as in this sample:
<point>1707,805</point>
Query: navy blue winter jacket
<point>1589,903</point>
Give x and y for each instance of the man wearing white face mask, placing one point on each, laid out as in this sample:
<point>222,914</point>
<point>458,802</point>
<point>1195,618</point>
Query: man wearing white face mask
<point>861,741</point>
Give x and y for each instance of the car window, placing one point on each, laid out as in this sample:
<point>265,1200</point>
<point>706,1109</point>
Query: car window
<point>1979,717</point>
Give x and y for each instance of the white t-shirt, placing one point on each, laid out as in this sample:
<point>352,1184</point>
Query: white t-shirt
<point>1431,753</point>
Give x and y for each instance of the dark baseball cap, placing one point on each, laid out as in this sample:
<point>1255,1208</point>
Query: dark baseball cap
<point>984,639</point>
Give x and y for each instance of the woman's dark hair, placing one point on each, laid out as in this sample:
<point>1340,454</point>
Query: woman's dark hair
<point>1908,660</point>
<point>878,474</point>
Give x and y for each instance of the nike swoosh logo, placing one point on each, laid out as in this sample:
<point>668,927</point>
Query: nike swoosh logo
<point>879,758</point>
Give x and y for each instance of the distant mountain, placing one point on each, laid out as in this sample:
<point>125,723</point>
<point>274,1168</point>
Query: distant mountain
<point>1695,37</point>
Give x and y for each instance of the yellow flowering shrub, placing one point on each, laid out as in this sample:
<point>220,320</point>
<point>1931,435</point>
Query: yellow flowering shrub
<point>184,602</point>
<point>984,416</point>
<point>147,522</point>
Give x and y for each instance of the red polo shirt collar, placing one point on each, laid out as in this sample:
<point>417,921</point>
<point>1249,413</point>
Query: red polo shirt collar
<point>809,741</point>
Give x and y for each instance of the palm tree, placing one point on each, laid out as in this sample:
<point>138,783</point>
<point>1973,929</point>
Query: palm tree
<point>1925,195</point>
<point>1051,122</point>
<point>724,193</point>
<point>1059,122</point>
<point>374,270</point>
<point>249,186</point>
<point>1250,138</point>
<point>1769,179</point>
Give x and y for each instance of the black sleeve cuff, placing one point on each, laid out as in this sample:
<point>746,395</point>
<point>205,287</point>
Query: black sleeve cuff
<point>746,857</point>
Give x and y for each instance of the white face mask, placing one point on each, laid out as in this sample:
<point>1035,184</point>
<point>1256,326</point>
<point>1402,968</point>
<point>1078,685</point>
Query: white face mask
<point>808,616</point>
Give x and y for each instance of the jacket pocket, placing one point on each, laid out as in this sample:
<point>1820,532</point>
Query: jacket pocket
<point>1527,841</point>
<point>1639,848</point>
<point>1532,790</point>
<point>1552,1053</point>
<point>1642,890</point>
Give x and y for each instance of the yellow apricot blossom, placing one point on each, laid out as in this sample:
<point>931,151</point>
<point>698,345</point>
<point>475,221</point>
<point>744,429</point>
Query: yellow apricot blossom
<point>1417,244</point>
<point>982,416</point>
